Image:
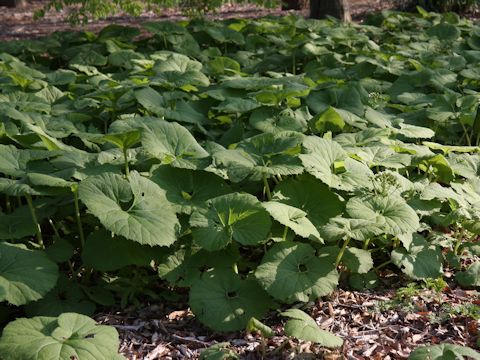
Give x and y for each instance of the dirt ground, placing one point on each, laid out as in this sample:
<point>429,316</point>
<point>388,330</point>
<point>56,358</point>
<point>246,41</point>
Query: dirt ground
<point>18,23</point>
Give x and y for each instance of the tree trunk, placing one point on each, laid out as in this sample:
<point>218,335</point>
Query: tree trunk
<point>12,3</point>
<point>336,8</point>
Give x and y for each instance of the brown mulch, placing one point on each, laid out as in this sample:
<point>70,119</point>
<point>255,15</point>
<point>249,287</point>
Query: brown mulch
<point>374,325</point>
<point>18,23</point>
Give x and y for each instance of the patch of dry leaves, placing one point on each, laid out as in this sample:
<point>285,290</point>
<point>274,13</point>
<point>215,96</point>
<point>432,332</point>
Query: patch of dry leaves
<point>374,325</point>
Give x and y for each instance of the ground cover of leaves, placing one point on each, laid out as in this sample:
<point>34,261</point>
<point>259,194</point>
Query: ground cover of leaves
<point>380,325</point>
<point>374,325</point>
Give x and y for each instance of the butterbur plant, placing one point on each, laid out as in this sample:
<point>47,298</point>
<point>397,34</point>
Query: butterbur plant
<point>195,163</point>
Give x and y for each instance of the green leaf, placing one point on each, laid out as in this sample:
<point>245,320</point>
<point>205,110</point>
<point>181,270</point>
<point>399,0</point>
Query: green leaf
<point>224,302</point>
<point>237,105</point>
<point>329,120</point>
<point>222,65</point>
<point>294,218</point>
<point>339,228</point>
<point>293,272</point>
<point>67,296</point>
<point>218,352</point>
<point>470,277</point>
<point>70,336</point>
<point>363,282</point>
<point>185,266</point>
<point>303,327</point>
<point>273,120</point>
<point>391,214</point>
<point>171,143</point>
<point>444,31</point>
<point>188,189</point>
<point>25,275</point>
<point>310,195</point>
<point>421,261</point>
<point>60,251</point>
<point>328,162</point>
<point>136,209</point>
<point>123,140</point>
<point>105,252</point>
<point>262,155</point>
<point>443,352</point>
<point>240,217</point>
<point>357,260</point>
<point>256,325</point>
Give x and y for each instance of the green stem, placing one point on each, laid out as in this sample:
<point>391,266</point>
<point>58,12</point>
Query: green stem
<point>55,230</point>
<point>365,245</point>
<point>342,251</point>
<point>38,229</point>
<point>458,243</point>
<point>267,188</point>
<point>383,265</point>
<point>125,157</point>
<point>285,233</point>
<point>77,216</point>
<point>8,205</point>
<point>467,137</point>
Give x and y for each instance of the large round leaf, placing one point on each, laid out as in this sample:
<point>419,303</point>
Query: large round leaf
<point>224,302</point>
<point>339,228</point>
<point>310,195</point>
<point>421,261</point>
<point>105,252</point>
<point>135,208</point>
<point>292,272</point>
<point>25,275</point>
<point>186,188</point>
<point>261,156</point>
<point>328,162</point>
<point>70,336</point>
<point>240,217</point>
<point>185,266</point>
<point>390,213</point>
<point>171,143</point>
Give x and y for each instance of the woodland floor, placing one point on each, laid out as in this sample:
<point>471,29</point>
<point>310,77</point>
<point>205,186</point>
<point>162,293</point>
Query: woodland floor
<point>18,23</point>
<point>382,324</point>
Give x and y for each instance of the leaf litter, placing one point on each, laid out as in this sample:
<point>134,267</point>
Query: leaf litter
<point>374,325</point>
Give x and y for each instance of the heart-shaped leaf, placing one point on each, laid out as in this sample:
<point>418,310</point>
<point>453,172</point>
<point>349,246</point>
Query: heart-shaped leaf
<point>188,189</point>
<point>293,272</point>
<point>135,208</point>
<point>421,261</point>
<point>234,216</point>
<point>390,213</point>
<point>225,302</point>
<point>25,275</point>
<point>328,162</point>
<point>70,336</point>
